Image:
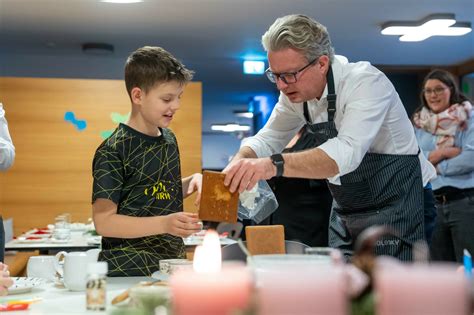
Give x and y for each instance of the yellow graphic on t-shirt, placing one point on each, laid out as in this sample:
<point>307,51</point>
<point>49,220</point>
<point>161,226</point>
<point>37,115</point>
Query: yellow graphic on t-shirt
<point>158,191</point>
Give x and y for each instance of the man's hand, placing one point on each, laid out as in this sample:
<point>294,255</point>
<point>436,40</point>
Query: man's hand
<point>5,280</point>
<point>181,224</point>
<point>244,174</point>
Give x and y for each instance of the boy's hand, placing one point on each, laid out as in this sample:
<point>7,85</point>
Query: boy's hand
<point>182,224</point>
<point>195,185</point>
<point>5,280</point>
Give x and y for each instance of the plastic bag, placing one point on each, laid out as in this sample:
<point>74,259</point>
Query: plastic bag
<point>258,203</point>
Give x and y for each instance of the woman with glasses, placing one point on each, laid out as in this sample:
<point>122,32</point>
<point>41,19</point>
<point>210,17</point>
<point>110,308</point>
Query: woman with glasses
<point>444,128</point>
<point>363,141</point>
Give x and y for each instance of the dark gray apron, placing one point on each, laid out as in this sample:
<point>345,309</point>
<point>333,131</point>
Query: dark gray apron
<point>386,189</point>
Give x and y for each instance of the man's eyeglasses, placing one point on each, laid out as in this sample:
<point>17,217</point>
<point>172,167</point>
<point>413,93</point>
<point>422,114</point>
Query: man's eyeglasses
<point>437,91</point>
<point>287,77</point>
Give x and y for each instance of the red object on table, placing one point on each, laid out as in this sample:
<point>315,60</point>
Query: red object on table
<point>14,307</point>
<point>42,232</point>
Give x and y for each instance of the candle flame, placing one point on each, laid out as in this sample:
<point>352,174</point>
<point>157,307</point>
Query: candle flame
<point>208,257</point>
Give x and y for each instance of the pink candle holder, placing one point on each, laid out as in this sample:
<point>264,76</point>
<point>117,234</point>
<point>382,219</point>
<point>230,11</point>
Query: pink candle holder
<point>217,293</point>
<point>210,288</point>
<point>421,289</point>
<point>302,290</point>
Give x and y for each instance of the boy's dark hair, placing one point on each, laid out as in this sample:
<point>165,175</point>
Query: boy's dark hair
<point>149,65</point>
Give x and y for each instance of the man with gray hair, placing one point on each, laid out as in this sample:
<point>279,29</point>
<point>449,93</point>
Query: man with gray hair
<point>7,155</point>
<point>363,141</point>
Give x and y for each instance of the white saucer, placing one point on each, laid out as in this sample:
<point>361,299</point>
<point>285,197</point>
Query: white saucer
<point>160,276</point>
<point>94,240</point>
<point>25,284</point>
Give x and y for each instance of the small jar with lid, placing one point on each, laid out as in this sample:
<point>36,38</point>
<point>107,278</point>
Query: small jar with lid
<point>96,286</point>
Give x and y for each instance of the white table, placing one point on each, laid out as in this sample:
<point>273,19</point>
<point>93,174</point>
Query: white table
<point>80,242</point>
<point>62,301</point>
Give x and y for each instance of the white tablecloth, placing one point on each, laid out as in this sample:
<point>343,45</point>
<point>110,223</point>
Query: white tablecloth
<point>62,301</point>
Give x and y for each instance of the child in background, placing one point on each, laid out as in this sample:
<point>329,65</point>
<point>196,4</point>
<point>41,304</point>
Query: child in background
<point>138,190</point>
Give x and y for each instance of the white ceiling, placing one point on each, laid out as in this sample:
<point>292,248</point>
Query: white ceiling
<point>212,36</point>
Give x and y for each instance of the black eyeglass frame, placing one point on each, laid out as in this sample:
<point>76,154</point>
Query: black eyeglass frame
<point>273,77</point>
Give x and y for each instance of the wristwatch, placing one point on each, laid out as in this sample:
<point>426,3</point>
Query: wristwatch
<point>277,160</point>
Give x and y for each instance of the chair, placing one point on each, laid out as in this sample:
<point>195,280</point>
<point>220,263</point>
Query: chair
<point>233,229</point>
<point>234,252</point>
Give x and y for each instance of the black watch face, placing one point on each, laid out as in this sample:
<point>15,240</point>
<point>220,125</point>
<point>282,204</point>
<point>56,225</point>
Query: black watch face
<point>277,159</point>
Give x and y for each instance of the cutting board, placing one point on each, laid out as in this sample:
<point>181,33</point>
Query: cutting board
<point>218,204</point>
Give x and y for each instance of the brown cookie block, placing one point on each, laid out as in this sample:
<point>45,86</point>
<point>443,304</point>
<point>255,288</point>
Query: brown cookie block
<point>218,204</point>
<point>265,239</point>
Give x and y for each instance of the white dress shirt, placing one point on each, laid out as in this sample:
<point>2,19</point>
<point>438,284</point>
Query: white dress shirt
<point>7,150</point>
<point>370,117</point>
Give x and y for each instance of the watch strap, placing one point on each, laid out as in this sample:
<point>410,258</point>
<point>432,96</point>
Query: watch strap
<point>279,162</point>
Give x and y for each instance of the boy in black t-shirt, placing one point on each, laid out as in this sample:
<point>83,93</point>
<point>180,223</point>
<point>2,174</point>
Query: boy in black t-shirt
<point>138,190</point>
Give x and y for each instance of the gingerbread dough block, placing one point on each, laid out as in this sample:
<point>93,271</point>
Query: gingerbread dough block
<point>265,239</point>
<point>218,204</point>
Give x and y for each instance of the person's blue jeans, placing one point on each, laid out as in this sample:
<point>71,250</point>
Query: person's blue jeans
<point>430,212</point>
<point>2,240</point>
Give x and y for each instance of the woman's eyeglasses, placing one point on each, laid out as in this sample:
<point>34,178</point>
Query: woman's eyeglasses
<point>436,91</point>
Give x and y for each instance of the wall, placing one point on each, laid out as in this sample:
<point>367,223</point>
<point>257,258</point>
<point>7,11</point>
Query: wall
<point>52,170</point>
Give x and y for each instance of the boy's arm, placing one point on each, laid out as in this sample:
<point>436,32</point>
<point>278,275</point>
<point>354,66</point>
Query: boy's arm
<point>110,224</point>
<point>191,184</point>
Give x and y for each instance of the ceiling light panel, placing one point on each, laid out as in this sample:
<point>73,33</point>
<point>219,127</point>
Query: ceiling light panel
<point>433,25</point>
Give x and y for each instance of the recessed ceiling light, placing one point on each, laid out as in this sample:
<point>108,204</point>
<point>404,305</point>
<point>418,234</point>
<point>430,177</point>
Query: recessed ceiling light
<point>230,127</point>
<point>433,25</point>
<point>121,1</point>
<point>243,113</point>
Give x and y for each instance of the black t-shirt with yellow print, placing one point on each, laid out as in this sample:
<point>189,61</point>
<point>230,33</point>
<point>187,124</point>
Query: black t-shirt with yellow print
<point>142,175</point>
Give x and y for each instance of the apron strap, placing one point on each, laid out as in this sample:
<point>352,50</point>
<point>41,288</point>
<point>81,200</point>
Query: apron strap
<point>331,97</point>
<point>306,113</point>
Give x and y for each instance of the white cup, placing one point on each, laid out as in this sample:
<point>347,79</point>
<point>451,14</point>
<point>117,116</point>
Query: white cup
<point>61,234</point>
<point>41,267</point>
<point>73,270</point>
<point>168,266</point>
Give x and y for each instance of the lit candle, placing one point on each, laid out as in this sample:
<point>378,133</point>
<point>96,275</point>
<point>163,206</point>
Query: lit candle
<point>210,288</point>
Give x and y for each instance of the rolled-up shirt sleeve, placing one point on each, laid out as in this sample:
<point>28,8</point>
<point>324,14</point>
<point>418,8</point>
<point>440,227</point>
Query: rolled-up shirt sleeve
<point>364,109</point>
